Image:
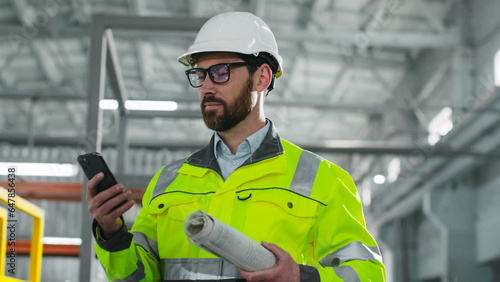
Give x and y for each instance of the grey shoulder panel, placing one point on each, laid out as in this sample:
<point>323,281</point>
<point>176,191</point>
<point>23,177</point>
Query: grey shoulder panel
<point>305,173</point>
<point>167,176</point>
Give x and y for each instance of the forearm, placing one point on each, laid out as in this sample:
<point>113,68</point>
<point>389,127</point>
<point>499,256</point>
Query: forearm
<point>123,260</point>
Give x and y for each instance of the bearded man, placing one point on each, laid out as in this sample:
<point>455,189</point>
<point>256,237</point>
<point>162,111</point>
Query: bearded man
<point>306,207</point>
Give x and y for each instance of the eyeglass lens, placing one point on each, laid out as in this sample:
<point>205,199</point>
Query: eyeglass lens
<point>218,74</point>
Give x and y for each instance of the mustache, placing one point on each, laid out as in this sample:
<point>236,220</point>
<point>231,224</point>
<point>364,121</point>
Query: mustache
<point>208,99</point>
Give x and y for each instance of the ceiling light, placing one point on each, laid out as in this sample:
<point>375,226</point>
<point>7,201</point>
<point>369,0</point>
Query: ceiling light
<point>61,241</point>
<point>379,179</point>
<point>39,169</point>
<point>140,105</point>
<point>108,104</point>
<point>393,170</point>
<point>440,125</point>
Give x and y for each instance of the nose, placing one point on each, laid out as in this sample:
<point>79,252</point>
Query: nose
<point>207,87</point>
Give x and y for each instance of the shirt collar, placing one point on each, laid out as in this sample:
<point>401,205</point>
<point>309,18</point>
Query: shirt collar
<point>253,141</point>
<point>271,147</point>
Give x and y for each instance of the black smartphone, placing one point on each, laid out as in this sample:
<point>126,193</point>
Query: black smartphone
<point>92,164</point>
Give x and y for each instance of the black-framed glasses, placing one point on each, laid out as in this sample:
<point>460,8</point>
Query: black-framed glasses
<point>218,73</point>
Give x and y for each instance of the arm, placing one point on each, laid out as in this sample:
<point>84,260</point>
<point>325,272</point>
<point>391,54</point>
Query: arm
<point>125,256</point>
<point>344,247</point>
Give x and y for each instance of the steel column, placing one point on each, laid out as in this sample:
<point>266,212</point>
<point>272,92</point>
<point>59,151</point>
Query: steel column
<point>123,145</point>
<point>93,139</point>
<point>118,86</point>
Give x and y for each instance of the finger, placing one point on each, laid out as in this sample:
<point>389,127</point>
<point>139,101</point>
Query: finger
<point>121,209</point>
<point>107,194</point>
<point>91,192</point>
<point>244,272</point>
<point>275,249</point>
<point>114,201</point>
<point>96,203</point>
<point>250,276</point>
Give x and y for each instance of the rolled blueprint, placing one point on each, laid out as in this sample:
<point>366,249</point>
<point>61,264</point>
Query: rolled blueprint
<point>222,240</point>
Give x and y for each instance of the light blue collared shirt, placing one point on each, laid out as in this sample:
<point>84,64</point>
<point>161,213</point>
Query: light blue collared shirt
<point>229,162</point>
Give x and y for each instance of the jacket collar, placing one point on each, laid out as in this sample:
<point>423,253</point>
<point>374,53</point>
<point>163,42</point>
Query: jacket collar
<point>271,146</point>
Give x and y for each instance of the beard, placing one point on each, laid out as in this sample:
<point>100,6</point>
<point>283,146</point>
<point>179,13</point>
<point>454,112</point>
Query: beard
<point>232,114</point>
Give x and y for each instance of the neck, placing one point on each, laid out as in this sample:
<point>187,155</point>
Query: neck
<point>236,135</point>
<point>251,124</point>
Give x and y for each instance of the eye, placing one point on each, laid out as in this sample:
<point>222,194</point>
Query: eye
<point>199,74</point>
<point>220,73</point>
<point>196,77</point>
<point>219,70</point>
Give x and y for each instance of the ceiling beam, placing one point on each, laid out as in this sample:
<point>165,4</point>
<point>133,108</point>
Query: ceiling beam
<point>341,82</point>
<point>331,146</point>
<point>46,63</point>
<point>58,50</point>
<point>27,15</point>
<point>370,12</point>
<point>434,20</point>
<point>402,40</point>
<point>433,82</point>
<point>270,101</point>
<point>7,77</point>
<point>25,12</point>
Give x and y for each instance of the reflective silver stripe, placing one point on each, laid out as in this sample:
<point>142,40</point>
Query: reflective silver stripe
<point>353,251</point>
<point>305,173</point>
<point>198,269</point>
<point>167,176</point>
<point>140,239</point>
<point>137,275</point>
<point>347,273</point>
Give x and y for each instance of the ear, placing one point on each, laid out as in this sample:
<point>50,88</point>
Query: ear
<point>263,77</point>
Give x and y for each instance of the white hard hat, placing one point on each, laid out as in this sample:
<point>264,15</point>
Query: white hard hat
<point>238,32</point>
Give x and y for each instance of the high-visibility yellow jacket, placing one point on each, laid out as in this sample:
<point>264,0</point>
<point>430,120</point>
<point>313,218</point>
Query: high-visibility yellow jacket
<point>282,194</point>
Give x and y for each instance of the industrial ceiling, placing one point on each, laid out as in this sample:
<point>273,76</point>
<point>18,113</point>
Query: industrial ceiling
<point>348,84</point>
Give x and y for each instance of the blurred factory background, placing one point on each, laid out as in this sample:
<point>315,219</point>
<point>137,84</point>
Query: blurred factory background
<point>403,94</point>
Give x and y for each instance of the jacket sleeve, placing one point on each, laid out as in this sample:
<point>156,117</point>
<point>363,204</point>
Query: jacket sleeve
<point>131,255</point>
<point>344,248</point>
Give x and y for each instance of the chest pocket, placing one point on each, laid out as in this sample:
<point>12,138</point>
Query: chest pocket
<point>171,209</point>
<point>278,216</point>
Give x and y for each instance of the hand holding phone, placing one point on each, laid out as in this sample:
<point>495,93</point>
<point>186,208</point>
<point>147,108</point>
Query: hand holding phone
<point>94,163</point>
<point>106,208</point>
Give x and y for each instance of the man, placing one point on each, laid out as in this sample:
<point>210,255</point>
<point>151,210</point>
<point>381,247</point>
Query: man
<point>307,208</point>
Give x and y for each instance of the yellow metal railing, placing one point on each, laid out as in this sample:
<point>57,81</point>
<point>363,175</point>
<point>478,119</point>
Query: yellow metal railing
<point>16,203</point>
<point>3,239</point>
